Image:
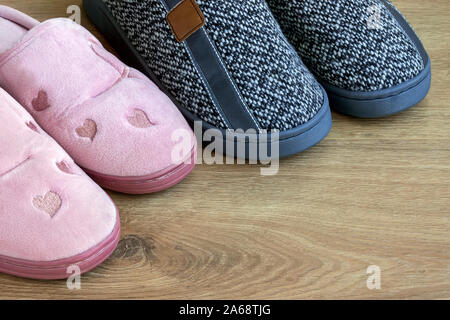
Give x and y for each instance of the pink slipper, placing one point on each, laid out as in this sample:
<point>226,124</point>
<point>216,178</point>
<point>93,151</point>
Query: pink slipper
<point>114,122</point>
<point>52,215</point>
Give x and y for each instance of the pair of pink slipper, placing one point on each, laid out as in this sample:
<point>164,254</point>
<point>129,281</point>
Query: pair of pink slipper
<point>110,119</point>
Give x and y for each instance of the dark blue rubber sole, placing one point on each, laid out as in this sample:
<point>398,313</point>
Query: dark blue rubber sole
<point>390,101</point>
<point>290,142</point>
<point>382,103</point>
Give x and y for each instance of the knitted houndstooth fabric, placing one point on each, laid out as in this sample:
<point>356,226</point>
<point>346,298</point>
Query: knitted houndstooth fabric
<point>274,83</point>
<point>343,44</point>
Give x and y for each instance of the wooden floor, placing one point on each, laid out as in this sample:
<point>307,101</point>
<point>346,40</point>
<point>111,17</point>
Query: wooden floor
<point>373,193</point>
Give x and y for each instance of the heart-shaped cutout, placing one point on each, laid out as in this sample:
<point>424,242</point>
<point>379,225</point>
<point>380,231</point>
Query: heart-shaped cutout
<point>50,203</point>
<point>88,130</point>
<point>139,119</point>
<point>65,167</point>
<point>32,126</point>
<point>40,103</point>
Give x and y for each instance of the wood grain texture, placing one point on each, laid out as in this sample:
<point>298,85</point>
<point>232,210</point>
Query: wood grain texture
<point>374,192</point>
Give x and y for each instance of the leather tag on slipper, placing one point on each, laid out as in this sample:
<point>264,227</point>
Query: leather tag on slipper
<point>185,19</point>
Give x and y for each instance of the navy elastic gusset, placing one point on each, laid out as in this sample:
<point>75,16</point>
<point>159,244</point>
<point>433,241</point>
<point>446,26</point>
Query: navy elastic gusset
<point>291,142</point>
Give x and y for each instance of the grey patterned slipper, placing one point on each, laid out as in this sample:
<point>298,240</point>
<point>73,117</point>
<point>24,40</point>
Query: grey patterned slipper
<point>225,63</point>
<point>364,53</point>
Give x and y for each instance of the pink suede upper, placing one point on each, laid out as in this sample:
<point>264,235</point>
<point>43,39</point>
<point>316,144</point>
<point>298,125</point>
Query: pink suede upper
<point>110,118</point>
<point>44,215</point>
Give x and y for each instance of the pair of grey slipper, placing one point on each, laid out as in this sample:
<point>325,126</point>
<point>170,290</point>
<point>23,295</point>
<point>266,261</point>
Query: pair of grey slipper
<point>271,65</point>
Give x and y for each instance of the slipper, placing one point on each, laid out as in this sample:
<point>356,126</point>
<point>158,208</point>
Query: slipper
<point>224,63</point>
<point>364,52</point>
<point>113,121</point>
<point>52,215</point>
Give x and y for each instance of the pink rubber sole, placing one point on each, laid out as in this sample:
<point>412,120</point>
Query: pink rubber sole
<point>146,184</point>
<point>55,270</point>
